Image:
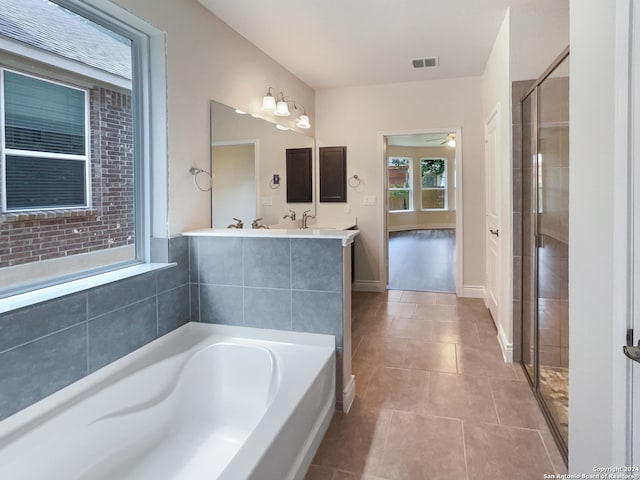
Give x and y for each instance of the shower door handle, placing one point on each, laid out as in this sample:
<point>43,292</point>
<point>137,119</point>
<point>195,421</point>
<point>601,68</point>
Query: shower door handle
<point>632,352</point>
<point>629,350</point>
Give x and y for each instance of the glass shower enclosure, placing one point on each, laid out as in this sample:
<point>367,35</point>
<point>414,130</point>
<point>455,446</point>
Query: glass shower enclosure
<point>545,243</point>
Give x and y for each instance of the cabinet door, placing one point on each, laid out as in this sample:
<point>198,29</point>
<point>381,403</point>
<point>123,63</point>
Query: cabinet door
<point>299,175</point>
<point>333,174</point>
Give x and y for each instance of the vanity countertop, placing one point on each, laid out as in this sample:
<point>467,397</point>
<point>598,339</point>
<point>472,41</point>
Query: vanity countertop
<point>328,232</point>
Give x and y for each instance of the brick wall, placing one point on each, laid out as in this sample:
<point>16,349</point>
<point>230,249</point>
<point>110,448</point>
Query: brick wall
<point>33,236</point>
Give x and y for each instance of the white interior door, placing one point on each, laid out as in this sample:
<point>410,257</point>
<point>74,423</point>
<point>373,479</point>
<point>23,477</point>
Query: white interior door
<point>634,378</point>
<point>626,374</point>
<point>492,217</point>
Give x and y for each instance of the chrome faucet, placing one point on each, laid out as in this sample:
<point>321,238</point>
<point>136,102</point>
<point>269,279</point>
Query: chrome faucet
<point>256,224</point>
<point>306,217</point>
<point>291,215</point>
<point>236,225</point>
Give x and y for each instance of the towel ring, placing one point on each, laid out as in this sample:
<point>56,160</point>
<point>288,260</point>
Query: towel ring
<point>195,172</point>
<point>273,186</point>
<point>354,181</point>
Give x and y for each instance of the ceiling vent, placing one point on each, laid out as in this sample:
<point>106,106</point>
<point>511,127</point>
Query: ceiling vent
<point>425,62</point>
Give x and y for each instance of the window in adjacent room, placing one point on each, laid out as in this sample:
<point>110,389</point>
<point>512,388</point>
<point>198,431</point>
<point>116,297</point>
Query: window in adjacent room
<point>399,170</point>
<point>433,184</point>
<point>46,155</point>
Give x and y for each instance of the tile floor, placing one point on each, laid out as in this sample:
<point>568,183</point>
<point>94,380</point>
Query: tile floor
<point>434,398</point>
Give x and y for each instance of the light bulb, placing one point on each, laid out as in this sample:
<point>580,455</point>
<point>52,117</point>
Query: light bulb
<point>303,122</point>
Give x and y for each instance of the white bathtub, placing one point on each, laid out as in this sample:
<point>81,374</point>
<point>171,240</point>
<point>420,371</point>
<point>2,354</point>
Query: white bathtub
<point>203,402</point>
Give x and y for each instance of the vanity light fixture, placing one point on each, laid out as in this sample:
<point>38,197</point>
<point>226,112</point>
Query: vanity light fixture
<point>452,143</point>
<point>280,107</point>
<point>303,120</point>
<point>269,102</point>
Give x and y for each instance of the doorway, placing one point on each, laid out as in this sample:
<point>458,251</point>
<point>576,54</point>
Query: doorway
<point>422,222</point>
<point>233,166</point>
<point>545,244</point>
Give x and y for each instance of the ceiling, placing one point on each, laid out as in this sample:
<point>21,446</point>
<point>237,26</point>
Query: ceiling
<point>339,43</point>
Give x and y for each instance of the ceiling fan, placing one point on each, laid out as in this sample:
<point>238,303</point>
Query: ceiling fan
<point>450,140</point>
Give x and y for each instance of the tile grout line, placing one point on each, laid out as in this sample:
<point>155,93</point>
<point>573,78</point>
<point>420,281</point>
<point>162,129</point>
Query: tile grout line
<point>493,398</point>
<point>464,451</point>
<point>546,449</point>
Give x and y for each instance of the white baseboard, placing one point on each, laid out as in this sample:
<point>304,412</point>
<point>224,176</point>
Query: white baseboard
<point>505,346</point>
<point>431,226</point>
<point>473,291</point>
<point>367,286</point>
<point>349,394</point>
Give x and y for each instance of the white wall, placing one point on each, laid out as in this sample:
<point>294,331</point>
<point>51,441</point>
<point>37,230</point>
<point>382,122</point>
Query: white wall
<point>590,245</point>
<point>206,60</point>
<point>496,97</point>
<point>355,117</point>
<point>539,32</point>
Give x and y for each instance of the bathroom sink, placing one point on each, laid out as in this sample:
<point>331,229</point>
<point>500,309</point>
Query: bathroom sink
<point>288,225</point>
<point>322,226</point>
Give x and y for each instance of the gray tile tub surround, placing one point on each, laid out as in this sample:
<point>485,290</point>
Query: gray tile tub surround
<point>47,346</point>
<point>279,283</point>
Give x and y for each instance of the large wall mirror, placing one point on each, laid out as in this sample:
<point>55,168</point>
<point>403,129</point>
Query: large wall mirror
<point>246,153</point>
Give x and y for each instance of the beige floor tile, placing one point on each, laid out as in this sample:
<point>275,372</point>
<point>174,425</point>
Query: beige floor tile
<point>423,448</point>
<point>483,361</point>
<point>407,423</point>
<point>317,472</point>
<point>395,295</point>
<point>520,375</point>
<point>377,324</point>
<point>356,340</point>
<point>446,299</point>
<point>363,372</point>
<point>382,351</point>
<point>431,356</point>
<point>554,452</point>
<point>456,332</point>
<point>461,396</point>
<point>341,475</point>
<point>413,328</point>
<point>399,308</point>
<point>441,313</point>
<point>496,452</point>
<point>516,405</point>
<point>397,389</point>
<point>354,442</point>
<point>487,333</point>
<point>474,307</point>
<point>419,297</point>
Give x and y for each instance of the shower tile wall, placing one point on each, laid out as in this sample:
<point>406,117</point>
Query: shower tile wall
<point>278,283</point>
<point>47,346</point>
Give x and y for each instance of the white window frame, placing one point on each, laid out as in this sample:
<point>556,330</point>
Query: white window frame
<point>4,151</point>
<point>390,189</point>
<point>446,185</point>
<point>150,135</point>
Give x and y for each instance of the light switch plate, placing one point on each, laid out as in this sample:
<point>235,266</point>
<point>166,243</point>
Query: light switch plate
<point>268,201</point>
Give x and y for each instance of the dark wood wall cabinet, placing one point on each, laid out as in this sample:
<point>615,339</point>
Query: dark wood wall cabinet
<point>333,174</point>
<point>299,175</point>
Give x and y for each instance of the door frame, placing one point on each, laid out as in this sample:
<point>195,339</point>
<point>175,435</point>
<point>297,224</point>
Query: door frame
<point>624,230</point>
<point>382,210</point>
<point>256,167</point>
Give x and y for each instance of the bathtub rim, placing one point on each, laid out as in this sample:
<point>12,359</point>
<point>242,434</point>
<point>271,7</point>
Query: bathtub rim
<point>21,422</point>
